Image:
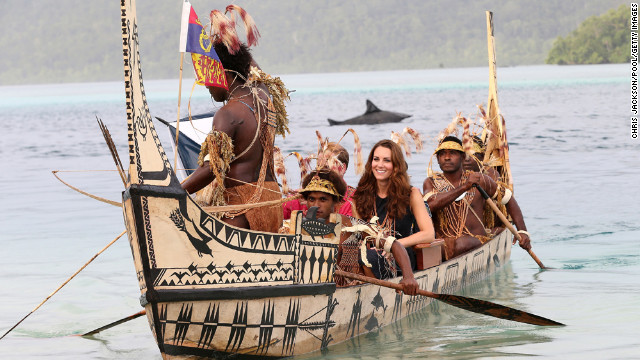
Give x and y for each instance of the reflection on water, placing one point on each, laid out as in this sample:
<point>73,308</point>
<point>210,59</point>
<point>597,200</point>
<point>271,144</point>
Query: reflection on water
<point>441,330</point>
<point>574,169</point>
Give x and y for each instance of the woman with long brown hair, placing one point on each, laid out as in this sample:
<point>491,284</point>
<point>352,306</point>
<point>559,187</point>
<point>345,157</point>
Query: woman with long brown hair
<point>384,191</point>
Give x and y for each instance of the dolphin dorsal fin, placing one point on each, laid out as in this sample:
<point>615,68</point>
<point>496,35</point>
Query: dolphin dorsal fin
<point>371,108</point>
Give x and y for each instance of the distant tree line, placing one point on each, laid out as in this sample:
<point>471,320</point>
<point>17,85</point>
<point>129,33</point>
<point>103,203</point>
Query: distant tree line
<point>49,41</point>
<point>598,40</point>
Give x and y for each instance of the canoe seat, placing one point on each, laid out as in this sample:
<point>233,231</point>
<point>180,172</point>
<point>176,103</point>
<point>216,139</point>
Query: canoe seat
<point>428,255</point>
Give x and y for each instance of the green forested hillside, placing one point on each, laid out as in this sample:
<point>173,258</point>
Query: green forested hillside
<point>76,41</point>
<point>598,40</point>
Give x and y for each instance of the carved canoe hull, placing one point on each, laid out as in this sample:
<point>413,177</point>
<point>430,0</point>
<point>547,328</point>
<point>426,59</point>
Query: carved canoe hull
<point>261,294</point>
<point>212,290</point>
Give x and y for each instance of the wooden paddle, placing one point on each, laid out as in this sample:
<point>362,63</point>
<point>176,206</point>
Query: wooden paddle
<point>115,323</point>
<point>463,302</point>
<point>508,224</point>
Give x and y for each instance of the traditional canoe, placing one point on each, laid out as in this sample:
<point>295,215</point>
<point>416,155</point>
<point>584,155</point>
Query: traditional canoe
<point>213,290</point>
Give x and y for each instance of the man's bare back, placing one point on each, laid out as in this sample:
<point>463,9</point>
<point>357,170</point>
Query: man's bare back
<point>239,119</point>
<point>240,149</point>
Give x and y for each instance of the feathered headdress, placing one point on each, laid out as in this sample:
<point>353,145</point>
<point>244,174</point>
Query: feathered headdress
<point>467,137</point>
<point>249,25</point>
<point>401,140</point>
<point>279,168</point>
<point>323,160</point>
<point>357,150</point>
<point>223,28</point>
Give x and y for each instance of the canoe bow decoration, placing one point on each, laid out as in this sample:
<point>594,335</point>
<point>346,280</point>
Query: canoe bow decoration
<point>213,290</point>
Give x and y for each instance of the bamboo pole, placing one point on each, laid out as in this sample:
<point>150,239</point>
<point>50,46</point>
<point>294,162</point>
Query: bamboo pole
<point>112,150</point>
<point>65,283</point>
<point>175,156</point>
<point>498,142</point>
<point>106,201</point>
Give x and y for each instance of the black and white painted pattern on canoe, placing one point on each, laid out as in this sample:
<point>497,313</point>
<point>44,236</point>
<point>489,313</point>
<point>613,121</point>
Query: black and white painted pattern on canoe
<point>212,290</point>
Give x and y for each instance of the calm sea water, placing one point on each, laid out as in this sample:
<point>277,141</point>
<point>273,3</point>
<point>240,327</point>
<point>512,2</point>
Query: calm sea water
<point>576,178</point>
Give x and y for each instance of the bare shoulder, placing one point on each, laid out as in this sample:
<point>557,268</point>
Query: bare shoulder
<point>418,208</point>
<point>416,196</point>
<point>229,117</point>
<point>223,118</point>
<point>427,184</point>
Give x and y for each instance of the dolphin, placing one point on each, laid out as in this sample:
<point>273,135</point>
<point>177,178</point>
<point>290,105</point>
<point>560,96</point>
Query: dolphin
<point>373,115</point>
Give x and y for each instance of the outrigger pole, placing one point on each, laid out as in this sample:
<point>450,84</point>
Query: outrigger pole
<point>115,323</point>
<point>63,284</point>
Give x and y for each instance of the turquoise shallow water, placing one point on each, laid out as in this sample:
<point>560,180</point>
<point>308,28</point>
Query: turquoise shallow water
<point>574,165</point>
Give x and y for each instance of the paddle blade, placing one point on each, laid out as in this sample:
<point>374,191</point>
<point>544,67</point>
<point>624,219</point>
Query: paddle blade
<point>491,309</point>
<point>470,304</point>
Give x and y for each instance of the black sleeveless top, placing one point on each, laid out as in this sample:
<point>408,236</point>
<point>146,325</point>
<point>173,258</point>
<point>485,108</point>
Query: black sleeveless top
<point>404,226</point>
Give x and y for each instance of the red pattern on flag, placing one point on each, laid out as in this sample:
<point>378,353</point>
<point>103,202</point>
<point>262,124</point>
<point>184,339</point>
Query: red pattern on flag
<point>194,39</point>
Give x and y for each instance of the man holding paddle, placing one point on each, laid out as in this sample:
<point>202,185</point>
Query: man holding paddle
<point>506,199</point>
<point>457,206</point>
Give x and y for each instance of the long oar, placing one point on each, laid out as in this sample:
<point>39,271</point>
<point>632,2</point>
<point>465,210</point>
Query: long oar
<point>463,302</point>
<point>115,323</point>
<point>508,224</point>
<point>63,284</point>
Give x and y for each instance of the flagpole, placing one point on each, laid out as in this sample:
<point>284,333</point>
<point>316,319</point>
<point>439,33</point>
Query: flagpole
<point>175,158</point>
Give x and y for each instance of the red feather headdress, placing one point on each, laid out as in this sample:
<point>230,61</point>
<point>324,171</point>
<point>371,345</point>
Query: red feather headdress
<point>223,28</point>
